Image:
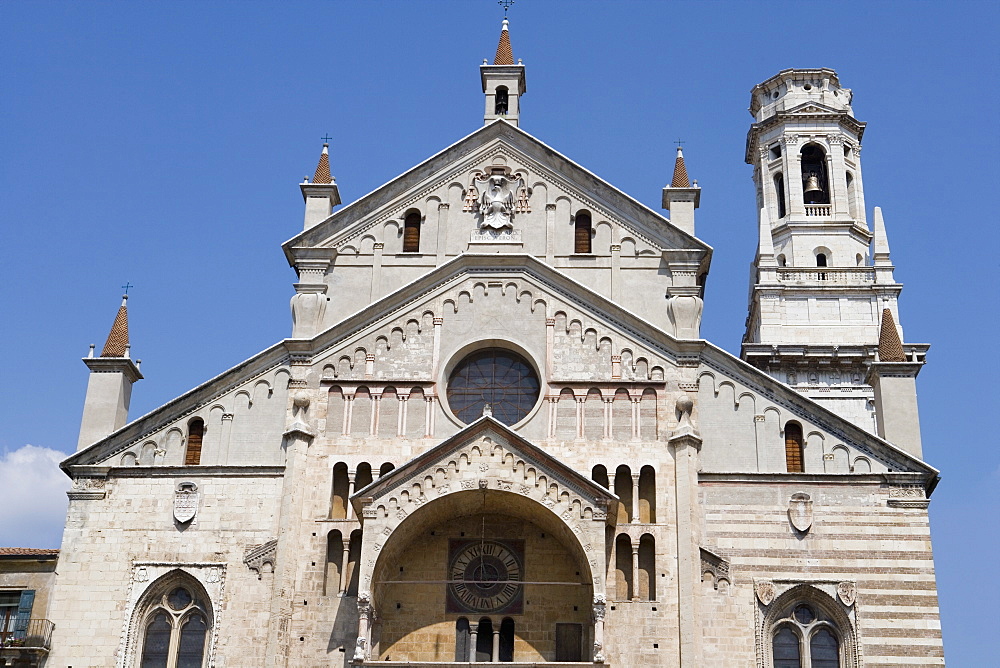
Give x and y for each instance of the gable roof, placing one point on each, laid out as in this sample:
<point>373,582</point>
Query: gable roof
<point>559,168</point>
<point>484,425</point>
<point>560,284</point>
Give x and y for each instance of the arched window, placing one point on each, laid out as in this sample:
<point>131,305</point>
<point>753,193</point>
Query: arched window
<point>599,474</point>
<point>339,492</point>
<point>779,193</point>
<point>624,580</point>
<point>820,259</point>
<point>501,101</point>
<point>623,489</point>
<point>484,640</point>
<point>804,636</point>
<point>582,232</point>
<point>462,639</point>
<point>507,639</point>
<point>196,430</point>
<point>332,576</point>
<point>793,447</point>
<point>781,260</point>
<point>385,469</point>
<point>647,495</point>
<point>411,232</point>
<point>815,187</point>
<point>647,568</point>
<point>174,626</point>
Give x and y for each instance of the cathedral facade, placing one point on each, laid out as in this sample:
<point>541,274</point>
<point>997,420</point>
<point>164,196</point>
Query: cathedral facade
<point>495,434</point>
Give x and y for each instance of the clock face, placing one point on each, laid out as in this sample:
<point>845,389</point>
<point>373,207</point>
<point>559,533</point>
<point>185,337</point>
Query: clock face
<point>486,576</point>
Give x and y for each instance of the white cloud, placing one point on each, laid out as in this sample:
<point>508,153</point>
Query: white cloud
<point>34,497</point>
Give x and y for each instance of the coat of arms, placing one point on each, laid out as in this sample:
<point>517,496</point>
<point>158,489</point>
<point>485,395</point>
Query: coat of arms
<point>800,511</point>
<point>501,197</point>
<point>186,499</point>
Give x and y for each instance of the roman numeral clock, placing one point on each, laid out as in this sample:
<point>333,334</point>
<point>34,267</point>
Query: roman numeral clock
<point>486,576</point>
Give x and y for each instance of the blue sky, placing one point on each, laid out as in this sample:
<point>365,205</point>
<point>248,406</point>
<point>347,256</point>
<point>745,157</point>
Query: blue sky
<point>162,144</point>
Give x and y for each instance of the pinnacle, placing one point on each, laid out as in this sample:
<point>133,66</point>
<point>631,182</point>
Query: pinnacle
<point>322,174</point>
<point>890,348</point>
<point>680,179</point>
<point>117,343</point>
<point>505,55</point>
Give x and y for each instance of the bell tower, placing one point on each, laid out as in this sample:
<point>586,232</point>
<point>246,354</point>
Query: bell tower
<point>818,293</point>
<point>503,82</point>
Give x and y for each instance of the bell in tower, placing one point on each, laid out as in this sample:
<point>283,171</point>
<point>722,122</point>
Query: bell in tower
<point>815,189</point>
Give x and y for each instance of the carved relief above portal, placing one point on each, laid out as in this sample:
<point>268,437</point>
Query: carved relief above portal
<point>499,195</point>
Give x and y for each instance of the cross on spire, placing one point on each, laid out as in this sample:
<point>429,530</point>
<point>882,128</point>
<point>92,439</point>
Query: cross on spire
<point>127,286</point>
<point>326,139</point>
<point>679,142</point>
<point>505,4</point>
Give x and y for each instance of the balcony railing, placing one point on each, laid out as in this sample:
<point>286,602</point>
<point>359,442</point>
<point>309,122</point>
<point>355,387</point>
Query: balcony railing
<point>26,633</point>
<point>817,209</point>
<point>838,275</point>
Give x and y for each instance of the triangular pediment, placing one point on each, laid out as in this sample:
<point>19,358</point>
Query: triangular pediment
<point>486,455</point>
<point>601,347</point>
<point>498,143</point>
<point>812,107</point>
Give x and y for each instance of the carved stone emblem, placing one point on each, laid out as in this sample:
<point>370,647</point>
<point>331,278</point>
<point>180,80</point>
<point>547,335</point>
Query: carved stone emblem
<point>186,498</point>
<point>847,592</point>
<point>800,511</point>
<point>496,203</point>
<point>765,591</point>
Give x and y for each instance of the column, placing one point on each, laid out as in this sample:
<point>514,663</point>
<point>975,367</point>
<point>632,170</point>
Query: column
<point>685,444</point>
<point>550,220</point>
<point>401,415</point>
<point>473,633</point>
<point>348,411</point>
<point>579,417</point>
<point>344,578</point>
<point>636,433</point>
<point>607,417</point>
<point>496,644</point>
<point>442,232</point>
<point>375,290</point>
<point>226,437</point>
<point>635,501</point>
<point>635,570</point>
<point>436,358</point>
<point>373,423</point>
<point>364,628</point>
<point>837,182</point>
<point>793,180</point>
<point>616,272</point>
<point>428,417</point>
<point>350,492</point>
<point>599,609</point>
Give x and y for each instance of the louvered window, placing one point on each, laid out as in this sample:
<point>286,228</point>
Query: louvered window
<point>793,447</point>
<point>195,432</point>
<point>411,233</point>
<point>583,230</point>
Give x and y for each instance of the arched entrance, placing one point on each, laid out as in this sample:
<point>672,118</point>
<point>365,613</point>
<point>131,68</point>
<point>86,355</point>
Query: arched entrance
<point>487,575</point>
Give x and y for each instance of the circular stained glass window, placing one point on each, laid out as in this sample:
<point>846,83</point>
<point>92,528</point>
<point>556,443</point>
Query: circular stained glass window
<point>495,376</point>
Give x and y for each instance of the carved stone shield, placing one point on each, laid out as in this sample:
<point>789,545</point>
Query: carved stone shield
<point>186,502</point>
<point>847,592</point>
<point>765,591</point>
<point>800,511</point>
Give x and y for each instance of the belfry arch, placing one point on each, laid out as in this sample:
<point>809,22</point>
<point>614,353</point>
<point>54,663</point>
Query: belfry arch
<point>499,524</point>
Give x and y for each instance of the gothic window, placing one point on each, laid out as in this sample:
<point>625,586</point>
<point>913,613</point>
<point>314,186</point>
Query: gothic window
<point>411,232</point>
<point>175,630</point>
<point>779,191</point>
<point>805,638</point>
<point>583,229</point>
<point>793,447</point>
<point>815,187</point>
<point>496,377</point>
<point>196,429</point>
<point>501,101</point>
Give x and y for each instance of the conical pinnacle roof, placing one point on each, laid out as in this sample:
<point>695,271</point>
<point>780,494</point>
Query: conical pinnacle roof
<point>505,55</point>
<point>890,348</point>
<point>680,179</point>
<point>117,341</point>
<point>322,174</point>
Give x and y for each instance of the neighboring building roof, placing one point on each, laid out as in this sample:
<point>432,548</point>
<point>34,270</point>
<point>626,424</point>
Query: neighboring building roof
<point>118,338</point>
<point>505,55</point>
<point>27,552</point>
